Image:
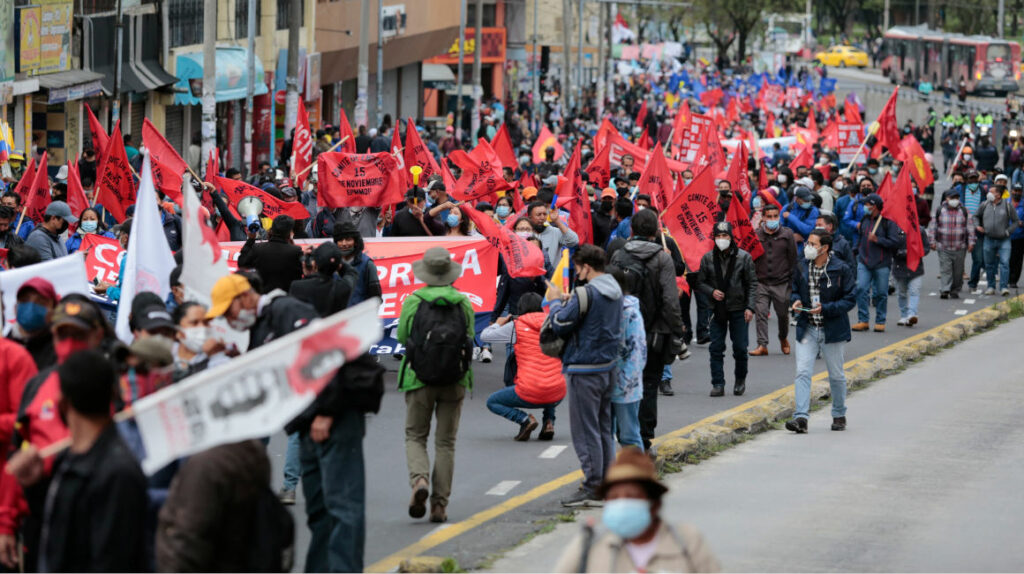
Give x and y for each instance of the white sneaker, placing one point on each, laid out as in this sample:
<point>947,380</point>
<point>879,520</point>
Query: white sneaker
<point>990,291</point>
<point>476,353</point>
<point>684,354</point>
<point>1004,292</point>
<point>903,322</point>
<point>977,291</point>
<point>485,355</point>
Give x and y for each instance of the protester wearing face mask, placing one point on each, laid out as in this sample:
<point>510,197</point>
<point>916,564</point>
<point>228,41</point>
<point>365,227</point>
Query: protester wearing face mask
<point>951,233</point>
<point>46,239</point>
<point>457,225</point>
<point>997,219</point>
<point>553,233</point>
<point>801,214</point>
<point>36,299</point>
<point>879,240</point>
<point>602,216</point>
<point>850,225</point>
<point>972,196</point>
<point>88,224</point>
<point>503,208</point>
<point>637,538</point>
<point>774,277</point>
<point>1017,237</point>
<point>265,317</point>
<point>195,347</point>
<point>367,283</point>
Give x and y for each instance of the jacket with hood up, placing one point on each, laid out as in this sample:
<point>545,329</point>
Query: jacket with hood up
<point>661,269</point>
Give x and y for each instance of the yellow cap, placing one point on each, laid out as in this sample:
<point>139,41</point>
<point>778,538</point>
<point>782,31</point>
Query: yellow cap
<point>224,292</point>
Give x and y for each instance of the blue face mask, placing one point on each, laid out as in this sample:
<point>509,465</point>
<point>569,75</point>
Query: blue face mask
<point>88,226</point>
<point>973,186</point>
<point>772,224</point>
<point>452,220</point>
<point>502,211</point>
<point>627,517</point>
<point>31,316</point>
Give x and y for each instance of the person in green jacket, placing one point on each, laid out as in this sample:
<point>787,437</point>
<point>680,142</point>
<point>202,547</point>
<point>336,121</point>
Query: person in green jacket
<point>438,271</point>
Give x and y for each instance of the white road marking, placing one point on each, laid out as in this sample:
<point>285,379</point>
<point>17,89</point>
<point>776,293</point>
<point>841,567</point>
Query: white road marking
<point>932,294</point>
<point>553,451</point>
<point>969,301</point>
<point>503,487</point>
<point>960,312</point>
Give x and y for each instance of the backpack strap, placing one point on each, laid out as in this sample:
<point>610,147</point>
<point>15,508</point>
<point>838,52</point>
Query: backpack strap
<point>682,546</point>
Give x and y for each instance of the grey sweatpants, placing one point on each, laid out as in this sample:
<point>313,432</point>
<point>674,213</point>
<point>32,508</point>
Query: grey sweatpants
<point>951,270</point>
<point>590,423</point>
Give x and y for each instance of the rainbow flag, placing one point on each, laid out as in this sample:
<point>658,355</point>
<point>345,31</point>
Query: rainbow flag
<point>561,275</point>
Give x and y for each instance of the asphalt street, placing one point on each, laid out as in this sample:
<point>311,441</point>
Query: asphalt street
<point>491,467</point>
<point>925,479</point>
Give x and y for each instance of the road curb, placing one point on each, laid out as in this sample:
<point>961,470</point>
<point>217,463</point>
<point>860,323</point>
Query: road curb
<point>691,442</point>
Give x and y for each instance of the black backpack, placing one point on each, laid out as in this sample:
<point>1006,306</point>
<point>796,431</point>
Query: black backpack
<point>551,344</point>
<point>644,287</point>
<point>272,536</point>
<point>439,351</point>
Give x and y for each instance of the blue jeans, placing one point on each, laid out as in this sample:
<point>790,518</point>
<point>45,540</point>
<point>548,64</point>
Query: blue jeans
<point>977,262</point>
<point>873,284</point>
<point>666,373</point>
<point>908,293</point>
<point>506,403</point>
<point>334,485</point>
<point>626,422</point>
<point>806,351</point>
<point>292,468</point>
<point>997,252</point>
<point>737,329</point>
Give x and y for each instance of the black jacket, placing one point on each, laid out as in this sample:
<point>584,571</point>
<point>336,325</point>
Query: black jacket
<point>236,227</point>
<point>363,144</point>
<point>328,294</point>
<point>406,225</point>
<point>662,270</point>
<point>742,288</point>
<point>277,261</point>
<point>96,522</point>
<point>41,349</point>
<point>281,315</point>
<point>602,223</point>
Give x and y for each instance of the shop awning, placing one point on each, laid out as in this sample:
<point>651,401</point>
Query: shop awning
<point>140,56</point>
<point>232,76</point>
<point>71,85</point>
<point>437,74</point>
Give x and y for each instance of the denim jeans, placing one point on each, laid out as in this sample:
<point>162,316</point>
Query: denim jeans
<point>507,403</point>
<point>737,329</point>
<point>666,373</point>
<point>626,422</point>
<point>334,484</point>
<point>908,293</point>
<point>806,351</point>
<point>997,253</point>
<point>977,261</point>
<point>292,467</point>
<point>872,287</point>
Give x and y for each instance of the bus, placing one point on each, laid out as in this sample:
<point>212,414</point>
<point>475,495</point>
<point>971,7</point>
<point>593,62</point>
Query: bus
<point>911,54</point>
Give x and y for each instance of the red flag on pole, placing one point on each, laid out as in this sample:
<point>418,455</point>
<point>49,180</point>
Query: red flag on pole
<point>901,207</point>
<point>522,258</point>
<point>115,188</point>
<point>100,139</point>
<point>27,179</point>
<point>737,174</point>
<point>77,200</point>
<point>358,180</point>
<point>642,114</point>
<point>502,144</point>
<point>679,125</point>
<point>416,153</point>
<point>913,157</point>
<point>805,159</point>
<point>168,167</point>
<point>600,169</point>
<point>302,147</point>
<point>579,209</point>
<point>39,194</point>
<point>272,206</point>
<point>345,129</point>
<point>852,113</point>
<point>545,140</point>
<point>742,230</point>
<point>691,215</point>
<point>656,180</point>
<point>888,128</point>
<point>481,172</point>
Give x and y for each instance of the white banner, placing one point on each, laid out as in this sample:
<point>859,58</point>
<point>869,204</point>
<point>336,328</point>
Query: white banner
<point>67,274</point>
<point>256,394</point>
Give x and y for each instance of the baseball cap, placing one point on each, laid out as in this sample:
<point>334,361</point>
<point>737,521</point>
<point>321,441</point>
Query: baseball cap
<point>609,192</point>
<point>154,317</point>
<point>62,174</point>
<point>529,192</point>
<point>78,313</point>
<point>874,199</point>
<point>1002,177</point>
<point>61,210</point>
<point>224,292</point>
<point>327,255</point>
<point>41,286</point>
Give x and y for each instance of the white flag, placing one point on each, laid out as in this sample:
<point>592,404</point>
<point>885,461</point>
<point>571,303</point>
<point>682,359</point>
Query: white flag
<point>256,394</point>
<point>66,274</point>
<point>149,261</point>
<point>204,262</point>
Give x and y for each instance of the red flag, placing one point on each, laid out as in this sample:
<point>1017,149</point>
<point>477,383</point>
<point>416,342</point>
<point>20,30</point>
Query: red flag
<point>211,172</point>
<point>606,130</point>
<point>545,140</point>
<point>737,174</point>
<point>913,157</point>
<point>642,114</point>
<point>732,112</point>
<point>302,147</point>
<point>115,188</point>
<point>39,194</point>
<point>812,122</point>
<point>396,151</point>
<point>522,258</point>
<point>679,125</point>
<point>888,128</point>
<point>481,173</point>
<point>502,144</point>
<point>691,216</point>
<point>644,141</point>
<point>272,206</point>
<point>769,126</point>
<point>345,129</point>
<point>600,169</point>
<point>901,207</point>
<point>805,158</point>
<point>447,178</point>
<point>100,139</point>
<point>830,135</point>
<point>656,180</point>
<point>742,231</point>
<point>416,153</point>
<point>579,209</point>
<point>77,200</point>
<point>27,179</point>
<point>358,180</point>
<point>168,167</point>
<point>762,177</point>
<point>711,153</point>
<point>852,113</point>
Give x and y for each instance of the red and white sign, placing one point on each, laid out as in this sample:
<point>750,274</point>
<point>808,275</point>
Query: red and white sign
<point>102,257</point>
<point>849,141</point>
<point>690,143</point>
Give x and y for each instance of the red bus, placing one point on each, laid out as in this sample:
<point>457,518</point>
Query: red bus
<point>985,64</point>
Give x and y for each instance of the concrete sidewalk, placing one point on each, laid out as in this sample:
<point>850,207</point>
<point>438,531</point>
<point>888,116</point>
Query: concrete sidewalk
<point>926,478</point>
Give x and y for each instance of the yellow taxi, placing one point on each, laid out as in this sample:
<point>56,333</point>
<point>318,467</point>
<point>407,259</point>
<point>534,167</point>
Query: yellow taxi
<point>843,56</point>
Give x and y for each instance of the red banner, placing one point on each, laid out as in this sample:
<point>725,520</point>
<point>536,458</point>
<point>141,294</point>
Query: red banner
<point>691,138</point>
<point>849,141</point>
<point>302,147</point>
<point>39,194</point>
<point>580,217</point>
<point>102,257</point>
<point>359,180</point>
<point>168,167</point>
<point>272,206</point>
<point>115,188</point>
<point>481,172</point>
<point>522,258</point>
<point>742,231</point>
<point>656,180</point>
<point>691,216</point>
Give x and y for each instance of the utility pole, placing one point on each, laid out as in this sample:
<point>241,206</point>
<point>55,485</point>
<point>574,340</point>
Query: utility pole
<point>209,98</point>
<point>363,74</point>
<point>537,109</point>
<point>462,59</point>
<point>600,77</point>
<point>478,25</point>
<point>291,80</point>
<point>380,63</point>
<point>566,58</point>
<point>807,26</point>
<point>250,85</point>
<point>118,47</point>
<point>1000,18</point>
<point>579,58</point>
<point>885,17</point>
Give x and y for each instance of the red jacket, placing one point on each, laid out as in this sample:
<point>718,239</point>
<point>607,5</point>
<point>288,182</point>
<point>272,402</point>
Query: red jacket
<point>539,377</point>
<point>16,368</point>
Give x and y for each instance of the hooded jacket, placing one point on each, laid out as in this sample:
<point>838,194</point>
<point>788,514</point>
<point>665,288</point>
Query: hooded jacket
<point>661,269</point>
<point>877,254</point>
<point>592,344</point>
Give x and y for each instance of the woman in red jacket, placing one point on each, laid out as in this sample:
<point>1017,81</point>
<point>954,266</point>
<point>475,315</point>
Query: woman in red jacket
<point>538,382</point>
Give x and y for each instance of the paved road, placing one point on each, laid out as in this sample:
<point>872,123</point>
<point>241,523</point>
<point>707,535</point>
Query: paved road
<point>926,478</point>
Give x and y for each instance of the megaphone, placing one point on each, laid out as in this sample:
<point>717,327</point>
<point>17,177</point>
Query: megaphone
<point>416,171</point>
<point>250,207</point>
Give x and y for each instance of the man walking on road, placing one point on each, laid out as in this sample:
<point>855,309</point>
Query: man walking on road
<point>774,278</point>
<point>589,319</point>
<point>950,234</point>
<point>997,220</point>
<point>728,279</point>
<point>878,240</point>
<point>824,291</point>
<point>436,325</point>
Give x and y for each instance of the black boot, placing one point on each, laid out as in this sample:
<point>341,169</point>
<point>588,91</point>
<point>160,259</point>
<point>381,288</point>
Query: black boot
<point>798,426</point>
<point>666,388</point>
<point>838,423</point>
<point>739,387</point>
<point>718,390</point>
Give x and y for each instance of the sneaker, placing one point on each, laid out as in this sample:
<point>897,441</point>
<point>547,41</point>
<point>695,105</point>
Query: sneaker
<point>799,426</point>
<point>476,353</point>
<point>903,322</point>
<point>838,423</point>
<point>437,513</point>
<point>665,388</point>
<point>976,291</point>
<point>703,340</point>
<point>954,294</point>
<point>1005,292</point>
<point>1013,285</point>
<point>990,291</point>
<point>740,387</point>
<point>286,496</point>
<point>582,498</point>
<point>548,432</point>
<point>418,502</point>
<point>526,429</point>
<point>718,390</point>
<point>684,354</point>
<point>486,356</point>
<point>944,295</point>
<point>912,321</point>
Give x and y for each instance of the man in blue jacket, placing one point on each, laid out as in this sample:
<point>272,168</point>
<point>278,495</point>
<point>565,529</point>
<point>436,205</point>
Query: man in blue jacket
<point>591,332</point>
<point>823,293</point>
<point>878,239</point>
<point>801,214</point>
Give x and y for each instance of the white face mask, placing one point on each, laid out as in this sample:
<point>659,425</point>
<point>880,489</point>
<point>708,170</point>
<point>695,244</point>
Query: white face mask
<point>991,196</point>
<point>246,319</point>
<point>723,244</point>
<point>839,186</point>
<point>810,252</point>
<point>953,202</point>
<point>195,337</point>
